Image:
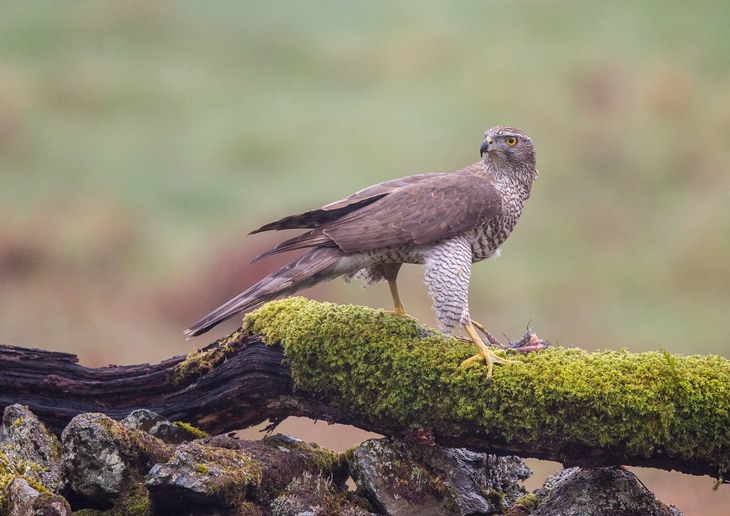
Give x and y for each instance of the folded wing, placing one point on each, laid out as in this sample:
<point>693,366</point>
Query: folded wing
<point>415,211</point>
<point>335,210</point>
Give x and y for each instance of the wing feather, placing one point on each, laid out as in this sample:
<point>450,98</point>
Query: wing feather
<point>418,210</point>
<point>337,209</point>
<point>421,213</point>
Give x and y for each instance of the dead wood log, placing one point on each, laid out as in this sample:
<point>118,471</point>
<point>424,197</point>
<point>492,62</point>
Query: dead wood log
<point>385,374</point>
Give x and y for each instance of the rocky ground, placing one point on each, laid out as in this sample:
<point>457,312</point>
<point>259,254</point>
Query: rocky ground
<point>146,465</point>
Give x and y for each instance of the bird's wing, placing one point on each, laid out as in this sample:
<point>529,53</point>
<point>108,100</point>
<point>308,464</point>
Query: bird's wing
<point>337,209</point>
<point>429,210</point>
<point>421,213</point>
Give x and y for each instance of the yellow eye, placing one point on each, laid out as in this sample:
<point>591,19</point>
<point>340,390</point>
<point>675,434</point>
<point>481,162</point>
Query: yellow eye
<point>511,141</point>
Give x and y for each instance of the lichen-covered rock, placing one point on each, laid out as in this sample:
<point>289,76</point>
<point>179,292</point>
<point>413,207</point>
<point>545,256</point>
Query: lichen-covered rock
<point>101,457</point>
<point>198,476</point>
<point>20,496</point>
<point>24,500</point>
<point>313,495</point>
<point>598,492</point>
<point>224,473</point>
<point>282,458</point>
<point>402,478</point>
<point>310,457</point>
<point>30,448</point>
<point>104,465</point>
<point>155,424</point>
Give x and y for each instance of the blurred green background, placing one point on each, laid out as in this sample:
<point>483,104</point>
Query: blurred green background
<point>140,141</point>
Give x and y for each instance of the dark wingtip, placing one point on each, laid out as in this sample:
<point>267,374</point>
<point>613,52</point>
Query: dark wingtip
<point>198,328</point>
<point>266,227</point>
<point>191,332</point>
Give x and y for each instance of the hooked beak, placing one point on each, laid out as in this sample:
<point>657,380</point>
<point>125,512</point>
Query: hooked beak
<point>485,146</point>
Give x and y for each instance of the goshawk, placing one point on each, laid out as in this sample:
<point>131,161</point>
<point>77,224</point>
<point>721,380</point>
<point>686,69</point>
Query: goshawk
<point>445,221</point>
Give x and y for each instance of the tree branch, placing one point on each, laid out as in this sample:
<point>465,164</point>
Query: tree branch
<point>386,374</point>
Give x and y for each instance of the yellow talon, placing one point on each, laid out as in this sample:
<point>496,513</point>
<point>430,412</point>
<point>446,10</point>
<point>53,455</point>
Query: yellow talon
<point>399,313</point>
<point>484,353</point>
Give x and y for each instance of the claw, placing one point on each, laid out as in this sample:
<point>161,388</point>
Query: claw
<point>491,358</point>
<point>400,313</point>
<point>483,352</point>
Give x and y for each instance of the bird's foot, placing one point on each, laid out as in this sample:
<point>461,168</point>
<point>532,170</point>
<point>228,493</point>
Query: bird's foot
<point>483,351</point>
<point>400,313</point>
<point>490,357</point>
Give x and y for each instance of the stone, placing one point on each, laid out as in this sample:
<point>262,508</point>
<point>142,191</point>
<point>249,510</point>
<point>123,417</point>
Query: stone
<point>198,476</point>
<point>310,457</point>
<point>313,495</point>
<point>156,425</point>
<point>101,466</point>
<point>24,500</point>
<point>222,472</point>
<point>102,457</point>
<point>598,492</point>
<point>403,478</point>
<point>21,496</point>
<point>30,447</point>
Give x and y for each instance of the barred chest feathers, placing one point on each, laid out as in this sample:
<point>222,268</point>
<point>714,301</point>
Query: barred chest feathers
<point>486,239</point>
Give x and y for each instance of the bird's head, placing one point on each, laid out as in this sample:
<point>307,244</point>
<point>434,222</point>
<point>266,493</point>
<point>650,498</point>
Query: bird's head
<point>507,146</point>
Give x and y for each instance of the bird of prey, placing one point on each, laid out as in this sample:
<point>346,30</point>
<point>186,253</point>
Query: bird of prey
<point>444,221</point>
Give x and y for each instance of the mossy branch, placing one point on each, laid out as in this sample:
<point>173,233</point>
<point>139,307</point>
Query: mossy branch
<point>653,409</point>
<point>387,374</point>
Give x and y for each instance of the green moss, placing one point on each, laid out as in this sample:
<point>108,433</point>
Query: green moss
<point>9,471</point>
<point>191,430</point>
<point>528,502</point>
<point>322,460</point>
<point>495,499</point>
<point>369,362</point>
<point>349,454</point>
<point>199,362</point>
<point>134,501</point>
<point>230,474</point>
<point>6,476</point>
<point>19,468</point>
<point>145,448</point>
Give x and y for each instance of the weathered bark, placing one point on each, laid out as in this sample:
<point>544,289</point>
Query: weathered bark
<point>245,385</point>
<point>388,375</point>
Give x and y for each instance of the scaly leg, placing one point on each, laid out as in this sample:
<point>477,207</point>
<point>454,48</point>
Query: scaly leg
<point>399,308</point>
<point>483,352</point>
<point>390,273</point>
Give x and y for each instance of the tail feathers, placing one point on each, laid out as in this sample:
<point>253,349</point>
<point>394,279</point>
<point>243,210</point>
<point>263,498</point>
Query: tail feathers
<point>318,265</point>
